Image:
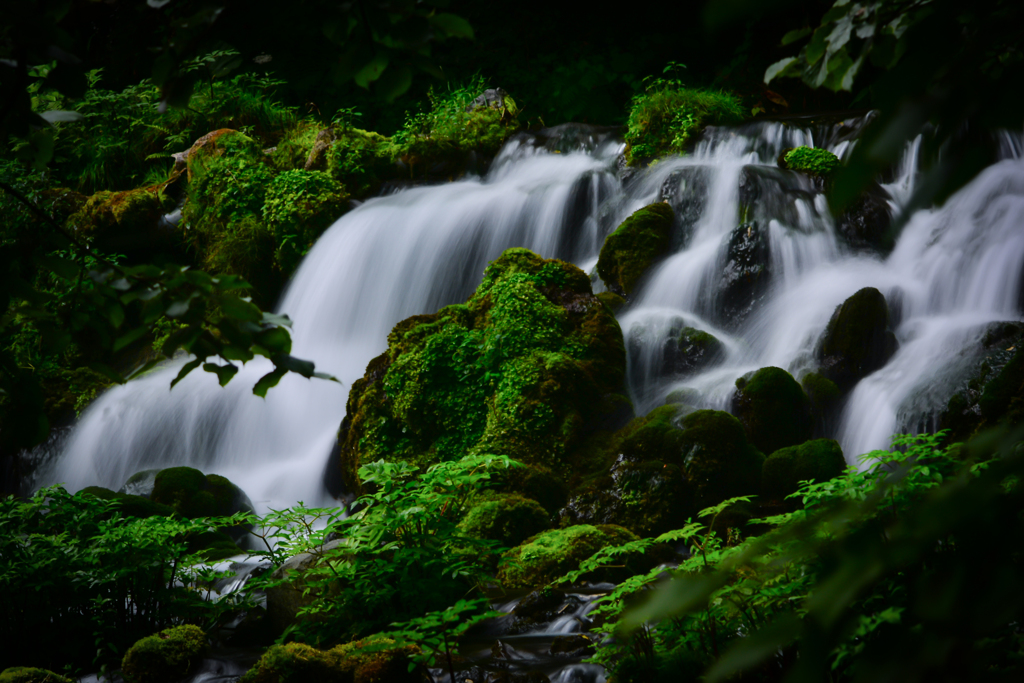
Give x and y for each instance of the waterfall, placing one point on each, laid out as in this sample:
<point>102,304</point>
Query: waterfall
<point>952,271</point>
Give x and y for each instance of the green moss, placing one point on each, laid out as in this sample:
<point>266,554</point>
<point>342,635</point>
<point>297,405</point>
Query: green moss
<point>718,459</point>
<point>774,409</point>
<point>644,487</point>
<point>361,160</point>
<point>612,300</point>
<point>811,160</point>
<point>857,340</point>
<point>509,519</point>
<point>293,149</point>
<point>132,506</point>
<point>521,369</point>
<point>299,663</point>
<point>628,252</point>
<point>194,494</point>
<point>115,219</point>
<point>298,207</point>
<point>551,554</point>
<point>819,460</point>
<point>824,397</point>
<point>25,674</point>
<point>667,119</point>
<point>165,657</point>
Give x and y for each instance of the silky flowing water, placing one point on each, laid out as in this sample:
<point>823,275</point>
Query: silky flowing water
<point>953,271</point>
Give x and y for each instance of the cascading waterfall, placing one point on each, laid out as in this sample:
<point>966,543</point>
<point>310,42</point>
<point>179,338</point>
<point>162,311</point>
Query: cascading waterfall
<point>952,271</point>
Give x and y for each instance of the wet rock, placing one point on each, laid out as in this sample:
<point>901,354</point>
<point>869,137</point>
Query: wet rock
<point>858,339</point>
<point>718,459</point>
<point>679,351</point>
<point>865,225</point>
<point>819,460</point>
<point>540,605</point>
<point>743,281</point>
<point>286,599</point>
<point>551,554</point>
<point>576,645</point>
<point>686,191</point>
<point>300,663</point>
<point>165,657</point>
<point>627,253</point>
<point>645,489</point>
<point>773,408</point>
<point>492,98</point>
<point>507,518</point>
<point>994,389</point>
<point>194,494</point>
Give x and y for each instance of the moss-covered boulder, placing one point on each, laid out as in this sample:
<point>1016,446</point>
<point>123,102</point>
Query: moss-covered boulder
<point>194,494</point>
<point>825,400</point>
<point>26,674</point>
<point>644,488</point>
<point>507,518</point>
<point>165,657</point>
<point>126,222</point>
<point>818,460</point>
<point>688,351</point>
<point>858,339</point>
<point>360,159</point>
<point>773,408</point>
<point>131,505</point>
<point>300,663</point>
<point>628,252</point>
<point>551,554</point>
<point>811,160</point>
<point>526,368</point>
<point>718,459</point>
<point>297,208</point>
<point>667,120</point>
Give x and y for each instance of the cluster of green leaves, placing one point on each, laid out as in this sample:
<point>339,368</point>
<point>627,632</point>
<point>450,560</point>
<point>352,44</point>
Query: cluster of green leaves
<point>911,565</point>
<point>401,553</point>
<point>813,160</point>
<point>80,583</point>
<point>930,64</point>
<point>666,117</point>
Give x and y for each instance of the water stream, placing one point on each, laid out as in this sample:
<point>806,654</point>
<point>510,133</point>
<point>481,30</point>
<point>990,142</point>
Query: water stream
<point>952,271</point>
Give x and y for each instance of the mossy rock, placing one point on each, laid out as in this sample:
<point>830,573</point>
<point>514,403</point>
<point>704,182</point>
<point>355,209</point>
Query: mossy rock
<point>509,519</point>
<point>165,657</point>
<point>627,253</point>
<point>858,340</point>
<point>773,408</point>
<point>194,494</point>
<point>299,663</point>
<point>131,505</point>
<point>360,159</point>
<point>668,120</point>
<point>718,459</point>
<point>292,151</point>
<point>811,160</point>
<point>26,674</point>
<point>818,460</point>
<point>645,488</point>
<point>298,207</point>
<point>525,368</point>
<point>684,351</point>
<point>125,222</point>
<point>825,400</point>
<point>552,554</point>
<point>612,300</point>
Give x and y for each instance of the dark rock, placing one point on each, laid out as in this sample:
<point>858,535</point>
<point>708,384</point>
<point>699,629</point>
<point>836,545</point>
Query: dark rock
<point>858,339</point>
<point>819,460</point>
<point>773,408</point>
<point>825,399</point>
<point>743,281</point>
<point>576,645</point>
<point>686,190</point>
<point>865,225</point>
<point>493,98</point>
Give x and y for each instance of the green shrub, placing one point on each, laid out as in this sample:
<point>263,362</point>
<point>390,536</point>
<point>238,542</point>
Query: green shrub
<point>667,117</point>
<point>811,160</point>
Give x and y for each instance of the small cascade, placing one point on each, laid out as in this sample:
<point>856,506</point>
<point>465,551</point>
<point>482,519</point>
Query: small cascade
<point>757,262</point>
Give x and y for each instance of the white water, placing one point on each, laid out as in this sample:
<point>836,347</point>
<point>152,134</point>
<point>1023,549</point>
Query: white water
<point>953,270</point>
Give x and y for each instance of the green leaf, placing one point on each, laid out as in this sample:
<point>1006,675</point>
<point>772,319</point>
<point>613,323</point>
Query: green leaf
<point>372,71</point>
<point>755,648</point>
<point>185,369</point>
<point>126,339</point>
<point>394,82</point>
<point>240,309</point>
<point>267,381</point>
<point>453,25</point>
<point>777,69</point>
<point>296,365</point>
<point>224,372</point>
<point>275,340</point>
<point>65,268</point>
<point>796,34</point>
